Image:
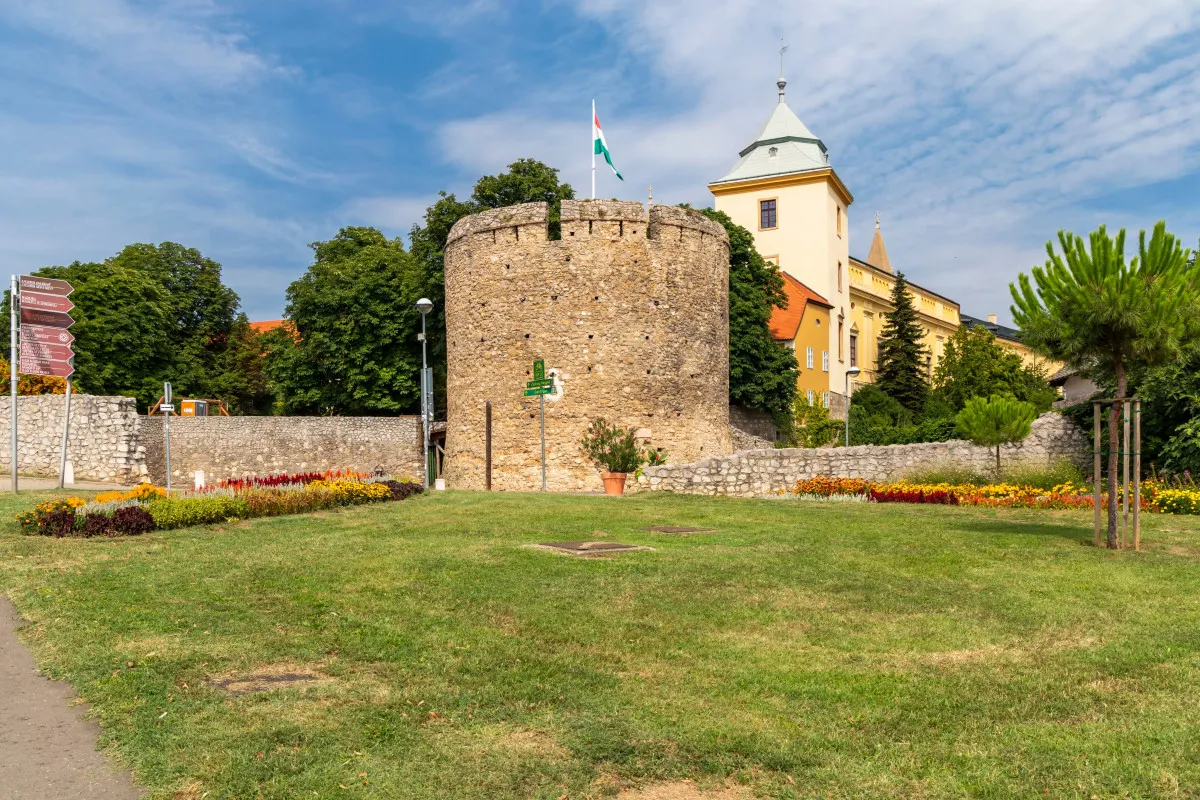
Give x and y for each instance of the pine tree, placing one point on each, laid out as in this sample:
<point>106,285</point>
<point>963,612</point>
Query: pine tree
<point>996,420</point>
<point>901,353</point>
<point>1093,310</point>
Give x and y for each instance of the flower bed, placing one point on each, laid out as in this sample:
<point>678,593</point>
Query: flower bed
<point>1156,495</point>
<point>147,507</point>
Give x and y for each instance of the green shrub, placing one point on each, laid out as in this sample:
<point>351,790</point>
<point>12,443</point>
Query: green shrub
<point>184,512</point>
<point>611,448</point>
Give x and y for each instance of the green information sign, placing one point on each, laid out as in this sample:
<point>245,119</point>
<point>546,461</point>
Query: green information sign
<point>541,390</point>
<point>542,384</point>
<point>539,370</point>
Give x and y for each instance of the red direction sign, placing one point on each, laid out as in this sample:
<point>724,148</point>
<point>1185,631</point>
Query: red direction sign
<point>39,334</point>
<point>46,302</point>
<point>45,366</point>
<point>35,283</point>
<point>50,319</point>
<point>56,352</point>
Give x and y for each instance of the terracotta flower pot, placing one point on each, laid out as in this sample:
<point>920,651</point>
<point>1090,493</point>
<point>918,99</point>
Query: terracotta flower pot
<point>614,482</point>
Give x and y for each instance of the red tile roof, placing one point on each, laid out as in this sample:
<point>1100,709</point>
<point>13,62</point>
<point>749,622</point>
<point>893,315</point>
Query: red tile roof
<point>785,322</point>
<point>262,326</point>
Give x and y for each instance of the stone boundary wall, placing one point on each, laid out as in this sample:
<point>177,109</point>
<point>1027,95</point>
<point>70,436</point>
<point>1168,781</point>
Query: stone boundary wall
<point>765,472</point>
<point>229,447</point>
<point>102,445</point>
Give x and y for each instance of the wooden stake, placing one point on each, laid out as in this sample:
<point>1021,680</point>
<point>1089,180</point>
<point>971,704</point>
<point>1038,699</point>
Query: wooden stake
<point>1096,469</point>
<point>1125,407</point>
<point>487,444</point>
<point>1137,475</point>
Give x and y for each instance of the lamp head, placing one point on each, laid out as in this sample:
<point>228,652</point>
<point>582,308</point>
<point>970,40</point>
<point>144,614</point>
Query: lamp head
<point>424,305</point>
<point>853,371</point>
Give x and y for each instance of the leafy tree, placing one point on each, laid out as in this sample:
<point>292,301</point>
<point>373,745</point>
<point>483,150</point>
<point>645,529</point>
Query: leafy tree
<point>1170,395</point>
<point>1104,316</point>
<point>348,347</point>
<point>902,354</point>
<point>200,313</point>
<point>878,418</point>
<point>975,365</point>
<point>241,380</point>
<point>762,372</point>
<point>122,342</point>
<point>32,384</point>
<point>996,420</point>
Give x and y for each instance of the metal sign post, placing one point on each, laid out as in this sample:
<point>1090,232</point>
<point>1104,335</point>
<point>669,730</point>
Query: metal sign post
<point>12,378</point>
<point>539,387</point>
<point>62,456</point>
<point>167,408</point>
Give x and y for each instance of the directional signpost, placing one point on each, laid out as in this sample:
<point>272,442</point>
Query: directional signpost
<point>44,346</point>
<point>539,387</point>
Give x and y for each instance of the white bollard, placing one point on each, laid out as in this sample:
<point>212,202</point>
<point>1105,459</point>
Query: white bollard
<point>69,475</point>
<point>199,479</point>
<point>439,484</point>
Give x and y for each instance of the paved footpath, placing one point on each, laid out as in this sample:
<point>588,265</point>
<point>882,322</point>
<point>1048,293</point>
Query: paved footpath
<point>31,483</point>
<point>47,750</point>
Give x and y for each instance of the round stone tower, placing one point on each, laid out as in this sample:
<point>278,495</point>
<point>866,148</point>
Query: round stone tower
<point>630,313</point>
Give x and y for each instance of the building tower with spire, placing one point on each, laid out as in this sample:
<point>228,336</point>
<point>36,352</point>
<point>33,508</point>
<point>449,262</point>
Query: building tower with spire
<point>784,190</point>
<point>786,193</point>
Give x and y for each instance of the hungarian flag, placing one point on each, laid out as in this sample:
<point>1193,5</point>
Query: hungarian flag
<point>599,146</point>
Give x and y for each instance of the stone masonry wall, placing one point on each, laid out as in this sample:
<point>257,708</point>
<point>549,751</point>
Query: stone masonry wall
<point>102,444</point>
<point>227,447</point>
<point>764,472</point>
<point>629,310</point>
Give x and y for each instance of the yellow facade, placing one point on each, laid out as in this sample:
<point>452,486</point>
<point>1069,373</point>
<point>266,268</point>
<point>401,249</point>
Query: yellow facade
<point>805,243</point>
<point>870,298</point>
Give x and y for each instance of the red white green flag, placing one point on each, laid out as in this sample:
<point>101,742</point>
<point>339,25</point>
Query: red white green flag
<point>599,145</point>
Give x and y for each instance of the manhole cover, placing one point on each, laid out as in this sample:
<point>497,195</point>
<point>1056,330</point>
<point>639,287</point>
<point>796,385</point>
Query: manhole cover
<point>677,529</point>
<point>267,680</point>
<point>590,548</point>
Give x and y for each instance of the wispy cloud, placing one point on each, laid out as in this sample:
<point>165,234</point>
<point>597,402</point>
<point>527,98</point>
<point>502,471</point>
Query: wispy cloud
<point>976,128</point>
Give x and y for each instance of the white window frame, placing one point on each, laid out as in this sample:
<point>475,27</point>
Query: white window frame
<point>810,358</point>
<point>825,360</point>
<point>825,399</point>
<point>810,397</point>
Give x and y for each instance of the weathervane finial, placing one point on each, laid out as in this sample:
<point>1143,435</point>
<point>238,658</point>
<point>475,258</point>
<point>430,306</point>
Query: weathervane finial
<point>781,83</point>
<point>876,220</point>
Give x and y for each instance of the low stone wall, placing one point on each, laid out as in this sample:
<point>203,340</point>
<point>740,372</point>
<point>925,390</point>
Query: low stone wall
<point>227,447</point>
<point>102,444</point>
<point>763,472</point>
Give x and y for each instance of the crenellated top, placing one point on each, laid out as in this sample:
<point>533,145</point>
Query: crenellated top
<point>492,219</point>
<point>587,218</point>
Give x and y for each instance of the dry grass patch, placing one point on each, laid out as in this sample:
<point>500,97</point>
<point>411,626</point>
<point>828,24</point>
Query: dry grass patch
<point>685,790</point>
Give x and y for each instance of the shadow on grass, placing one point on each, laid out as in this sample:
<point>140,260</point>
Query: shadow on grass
<point>1074,533</point>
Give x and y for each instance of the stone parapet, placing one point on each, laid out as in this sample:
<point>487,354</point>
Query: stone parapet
<point>766,472</point>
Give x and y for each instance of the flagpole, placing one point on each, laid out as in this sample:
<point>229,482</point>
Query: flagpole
<point>593,149</point>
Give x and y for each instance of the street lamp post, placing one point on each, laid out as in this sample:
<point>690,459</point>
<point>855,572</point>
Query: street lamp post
<point>425,305</point>
<point>850,373</point>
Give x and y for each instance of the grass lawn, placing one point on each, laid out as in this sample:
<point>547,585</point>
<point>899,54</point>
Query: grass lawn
<point>802,650</point>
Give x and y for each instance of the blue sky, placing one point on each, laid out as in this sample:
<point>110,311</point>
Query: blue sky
<point>249,129</point>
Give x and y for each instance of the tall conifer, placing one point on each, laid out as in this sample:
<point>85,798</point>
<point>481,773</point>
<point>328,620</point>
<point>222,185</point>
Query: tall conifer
<point>901,352</point>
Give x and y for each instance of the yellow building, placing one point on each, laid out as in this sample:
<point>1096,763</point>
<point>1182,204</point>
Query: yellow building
<point>804,327</point>
<point>785,192</point>
<point>871,284</point>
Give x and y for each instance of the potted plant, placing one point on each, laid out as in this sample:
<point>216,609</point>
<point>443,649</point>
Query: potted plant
<point>614,450</point>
